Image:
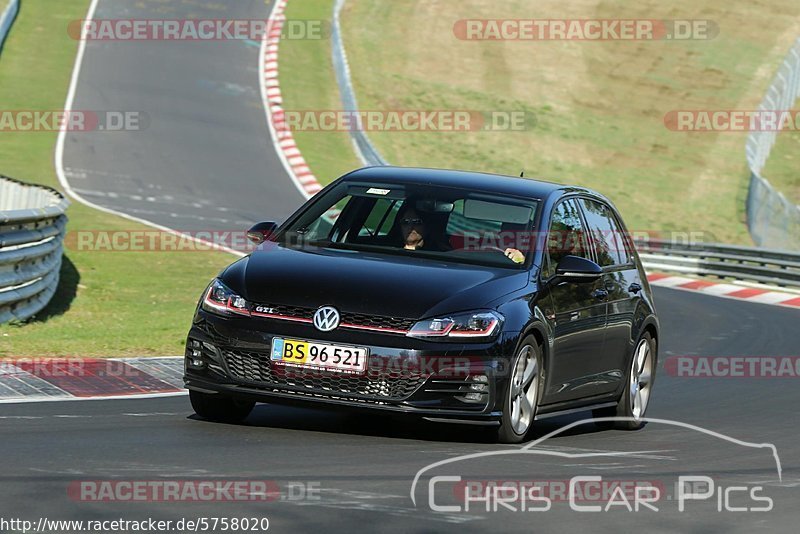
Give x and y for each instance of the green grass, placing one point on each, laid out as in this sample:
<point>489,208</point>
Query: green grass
<point>599,107</point>
<point>108,303</point>
<point>599,111</point>
<point>309,83</point>
<point>782,166</point>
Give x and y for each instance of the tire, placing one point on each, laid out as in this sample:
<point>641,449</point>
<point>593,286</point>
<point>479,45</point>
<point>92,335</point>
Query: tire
<point>629,406</point>
<point>220,408</point>
<point>523,389</point>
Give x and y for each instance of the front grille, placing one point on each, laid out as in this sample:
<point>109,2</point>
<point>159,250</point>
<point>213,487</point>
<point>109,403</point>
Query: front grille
<point>376,385</point>
<point>292,311</point>
<point>376,321</point>
<point>352,320</point>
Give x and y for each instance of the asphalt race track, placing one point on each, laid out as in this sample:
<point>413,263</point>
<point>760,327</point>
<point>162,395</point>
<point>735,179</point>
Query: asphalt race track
<point>359,468</point>
<point>205,161</point>
<point>204,133</point>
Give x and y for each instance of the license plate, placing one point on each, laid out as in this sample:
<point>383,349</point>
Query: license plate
<point>342,358</point>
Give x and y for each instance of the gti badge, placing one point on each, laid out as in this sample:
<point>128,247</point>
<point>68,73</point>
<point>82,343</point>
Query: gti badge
<point>326,318</point>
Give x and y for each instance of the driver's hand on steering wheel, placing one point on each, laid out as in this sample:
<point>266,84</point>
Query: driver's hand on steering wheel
<point>514,255</point>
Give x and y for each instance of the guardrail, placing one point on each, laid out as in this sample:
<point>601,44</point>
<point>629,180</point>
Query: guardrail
<point>6,18</point>
<point>32,226</point>
<point>765,266</point>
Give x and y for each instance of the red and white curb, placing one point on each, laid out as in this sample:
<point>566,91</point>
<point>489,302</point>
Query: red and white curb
<point>285,144</point>
<point>727,290</point>
<point>60,379</point>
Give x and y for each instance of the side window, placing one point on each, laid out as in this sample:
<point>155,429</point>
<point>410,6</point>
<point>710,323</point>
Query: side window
<point>321,228</point>
<point>380,218</point>
<point>609,243</point>
<point>566,236</point>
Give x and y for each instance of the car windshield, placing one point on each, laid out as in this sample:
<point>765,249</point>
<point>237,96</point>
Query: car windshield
<point>442,223</point>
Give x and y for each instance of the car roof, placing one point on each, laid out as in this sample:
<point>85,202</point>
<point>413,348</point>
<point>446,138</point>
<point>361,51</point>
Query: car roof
<point>474,181</point>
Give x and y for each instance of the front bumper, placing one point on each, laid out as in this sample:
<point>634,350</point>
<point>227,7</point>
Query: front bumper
<point>434,380</point>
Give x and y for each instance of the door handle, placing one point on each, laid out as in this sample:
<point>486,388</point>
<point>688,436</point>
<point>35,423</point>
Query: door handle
<point>600,294</point>
<point>634,288</point>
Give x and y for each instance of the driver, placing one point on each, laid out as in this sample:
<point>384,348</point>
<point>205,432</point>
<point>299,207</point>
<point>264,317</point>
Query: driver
<point>514,255</point>
<point>513,230</point>
<point>413,229</point>
<point>417,233</point>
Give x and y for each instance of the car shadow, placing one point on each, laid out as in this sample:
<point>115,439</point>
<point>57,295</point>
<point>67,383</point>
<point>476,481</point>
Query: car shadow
<point>396,426</point>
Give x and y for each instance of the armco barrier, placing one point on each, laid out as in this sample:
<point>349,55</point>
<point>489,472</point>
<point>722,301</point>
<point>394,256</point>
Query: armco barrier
<point>32,225</point>
<point>772,267</point>
<point>7,17</point>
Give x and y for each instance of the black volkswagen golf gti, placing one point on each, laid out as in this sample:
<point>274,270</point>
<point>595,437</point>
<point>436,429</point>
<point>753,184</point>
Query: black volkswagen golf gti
<point>456,296</point>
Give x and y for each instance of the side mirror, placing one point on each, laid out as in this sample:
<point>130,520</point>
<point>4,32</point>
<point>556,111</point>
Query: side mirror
<point>261,232</point>
<point>577,270</point>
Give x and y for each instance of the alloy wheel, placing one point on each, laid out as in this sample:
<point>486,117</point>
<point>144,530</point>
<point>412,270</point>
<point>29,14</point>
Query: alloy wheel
<point>524,390</point>
<point>641,377</point>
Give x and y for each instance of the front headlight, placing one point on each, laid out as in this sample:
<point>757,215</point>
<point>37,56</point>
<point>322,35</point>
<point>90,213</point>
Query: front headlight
<point>221,300</point>
<point>473,326</point>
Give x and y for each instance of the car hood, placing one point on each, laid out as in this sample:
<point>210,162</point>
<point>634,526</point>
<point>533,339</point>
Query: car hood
<point>363,282</point>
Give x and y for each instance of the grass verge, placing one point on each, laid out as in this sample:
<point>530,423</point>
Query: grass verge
<point>599,107</point>
<point>108,303</point>
<point>782,166</point>
<point>308,82</point>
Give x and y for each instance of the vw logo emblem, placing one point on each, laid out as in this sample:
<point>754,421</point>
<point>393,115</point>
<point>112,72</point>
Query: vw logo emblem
<point>326,318</point>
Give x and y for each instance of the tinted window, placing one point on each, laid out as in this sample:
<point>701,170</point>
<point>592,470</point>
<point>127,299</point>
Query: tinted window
<point>566,236</point>
<point>459,223</point>
<point>608,241</point>
<point>321,227</point>
<point>381,219</point>
<point>450,224</point>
